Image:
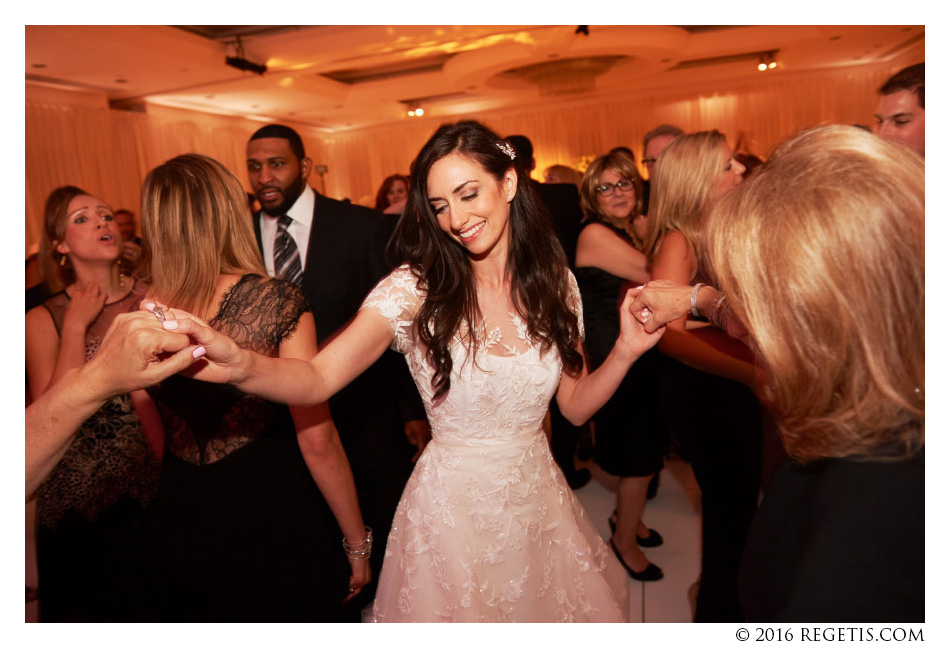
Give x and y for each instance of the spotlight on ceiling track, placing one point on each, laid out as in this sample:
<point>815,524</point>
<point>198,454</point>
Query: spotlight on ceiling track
<point>238,61</point>
<point>414,109</point>
<point>244,64</point>
<point>767,62</point>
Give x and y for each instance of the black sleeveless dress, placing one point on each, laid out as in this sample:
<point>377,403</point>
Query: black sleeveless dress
<point>626,445</point>
<point>241,530</point>
<point>94,562</point>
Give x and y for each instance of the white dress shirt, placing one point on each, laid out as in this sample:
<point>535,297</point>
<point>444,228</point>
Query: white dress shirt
<point>301,212</point>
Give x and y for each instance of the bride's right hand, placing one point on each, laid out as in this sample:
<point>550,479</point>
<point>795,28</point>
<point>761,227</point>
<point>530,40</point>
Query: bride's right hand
<point>223,357</point>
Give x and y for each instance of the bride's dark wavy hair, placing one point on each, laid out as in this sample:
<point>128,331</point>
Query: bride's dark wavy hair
<point>537,266</point>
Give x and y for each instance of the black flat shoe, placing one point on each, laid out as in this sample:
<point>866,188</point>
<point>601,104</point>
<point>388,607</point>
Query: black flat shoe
<point>654,539</point>
<point>651,573</point>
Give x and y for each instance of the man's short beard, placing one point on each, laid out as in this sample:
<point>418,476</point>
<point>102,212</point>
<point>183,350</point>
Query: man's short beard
<point>291,193</point>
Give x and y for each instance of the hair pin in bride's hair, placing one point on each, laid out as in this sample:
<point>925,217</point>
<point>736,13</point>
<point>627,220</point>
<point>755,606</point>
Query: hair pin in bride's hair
<point>506,148</point>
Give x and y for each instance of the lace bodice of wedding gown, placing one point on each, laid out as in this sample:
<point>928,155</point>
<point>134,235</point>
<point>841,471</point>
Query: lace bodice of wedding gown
<point>501,393</point>
<point>487,529</point>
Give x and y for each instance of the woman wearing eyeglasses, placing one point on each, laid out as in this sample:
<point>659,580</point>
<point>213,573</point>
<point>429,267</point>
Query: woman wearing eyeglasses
<point>608,259</point>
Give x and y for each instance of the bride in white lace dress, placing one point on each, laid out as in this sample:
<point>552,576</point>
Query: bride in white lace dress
<point>488,317</point>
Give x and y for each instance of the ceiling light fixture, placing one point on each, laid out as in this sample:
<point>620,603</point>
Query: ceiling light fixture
<point>414,109</point>
<point>767,61</point>
<point>238,61</point>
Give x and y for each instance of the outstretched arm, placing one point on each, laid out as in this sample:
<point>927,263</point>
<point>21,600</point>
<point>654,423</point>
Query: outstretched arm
<point>133,355</point>
<point>287,380</point>
<point>661,302</point>
<point>676,262</point>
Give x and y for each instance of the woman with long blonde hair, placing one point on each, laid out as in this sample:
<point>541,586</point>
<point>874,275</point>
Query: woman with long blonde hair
<point>713,416</point>
<point>253,495</point>
<point>92,552</point>
<point>832,302</point>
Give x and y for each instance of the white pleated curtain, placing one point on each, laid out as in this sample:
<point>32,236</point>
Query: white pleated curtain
<point>108,152</point>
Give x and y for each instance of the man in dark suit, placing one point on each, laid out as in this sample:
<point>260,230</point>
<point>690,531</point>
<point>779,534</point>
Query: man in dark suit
<point>563,203</point>
<point>336,256</point>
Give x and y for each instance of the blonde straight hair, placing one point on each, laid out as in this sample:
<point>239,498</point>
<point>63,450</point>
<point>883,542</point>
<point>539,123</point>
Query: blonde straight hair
<point>821,254</point>
<point>682,178</point>
<point>197,226</point>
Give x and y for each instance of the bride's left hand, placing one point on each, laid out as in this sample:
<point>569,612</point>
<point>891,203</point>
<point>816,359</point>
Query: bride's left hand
<point>222,354</point>
<point>633,335</point>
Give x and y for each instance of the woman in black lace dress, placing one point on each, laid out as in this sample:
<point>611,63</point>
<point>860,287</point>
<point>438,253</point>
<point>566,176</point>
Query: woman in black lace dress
<point>92,557</point>
<point>253,495</point>
<point>608,262</point>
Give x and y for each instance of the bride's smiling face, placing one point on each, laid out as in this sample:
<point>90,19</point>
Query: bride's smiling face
<point>472,207</point>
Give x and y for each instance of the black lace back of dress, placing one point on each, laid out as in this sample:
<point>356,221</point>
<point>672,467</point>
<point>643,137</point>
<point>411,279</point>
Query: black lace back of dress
<point>206,422</point>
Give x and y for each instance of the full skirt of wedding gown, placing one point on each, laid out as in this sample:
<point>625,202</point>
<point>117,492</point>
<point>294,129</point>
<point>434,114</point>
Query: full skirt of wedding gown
<point>487,529</point>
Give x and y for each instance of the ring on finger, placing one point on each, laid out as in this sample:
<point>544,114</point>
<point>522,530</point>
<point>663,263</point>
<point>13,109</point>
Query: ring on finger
<point>159,313</point>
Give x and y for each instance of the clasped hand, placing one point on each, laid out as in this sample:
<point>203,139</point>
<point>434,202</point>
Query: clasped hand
<point>660,302</point>
<point>222,354</point>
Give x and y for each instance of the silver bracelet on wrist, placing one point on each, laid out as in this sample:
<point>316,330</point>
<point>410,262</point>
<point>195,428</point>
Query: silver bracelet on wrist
<point>360,550</point>
<point>693,296</point>
<point>718,313</point>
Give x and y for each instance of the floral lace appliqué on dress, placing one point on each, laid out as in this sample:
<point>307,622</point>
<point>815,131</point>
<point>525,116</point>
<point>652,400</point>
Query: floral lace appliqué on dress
<point>487,528</point>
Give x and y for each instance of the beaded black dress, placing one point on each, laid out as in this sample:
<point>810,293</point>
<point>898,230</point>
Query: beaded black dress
<point>242,533</point>
<point>93,557</point>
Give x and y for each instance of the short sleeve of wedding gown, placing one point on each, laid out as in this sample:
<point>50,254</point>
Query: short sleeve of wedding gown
<point>574,301</point>
<point>397,297</point>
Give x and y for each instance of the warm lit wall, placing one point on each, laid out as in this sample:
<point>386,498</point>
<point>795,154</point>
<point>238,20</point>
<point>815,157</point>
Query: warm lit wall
<point>75,139</point>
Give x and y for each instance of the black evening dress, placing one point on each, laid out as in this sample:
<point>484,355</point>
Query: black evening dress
<point>242,533</point>
<point>92,541</point>
<point>626,445</point>
<point>838,540</point>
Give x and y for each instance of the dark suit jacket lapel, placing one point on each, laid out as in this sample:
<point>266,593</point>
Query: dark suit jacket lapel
<point>256,221</point>
<point>321,228</point>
